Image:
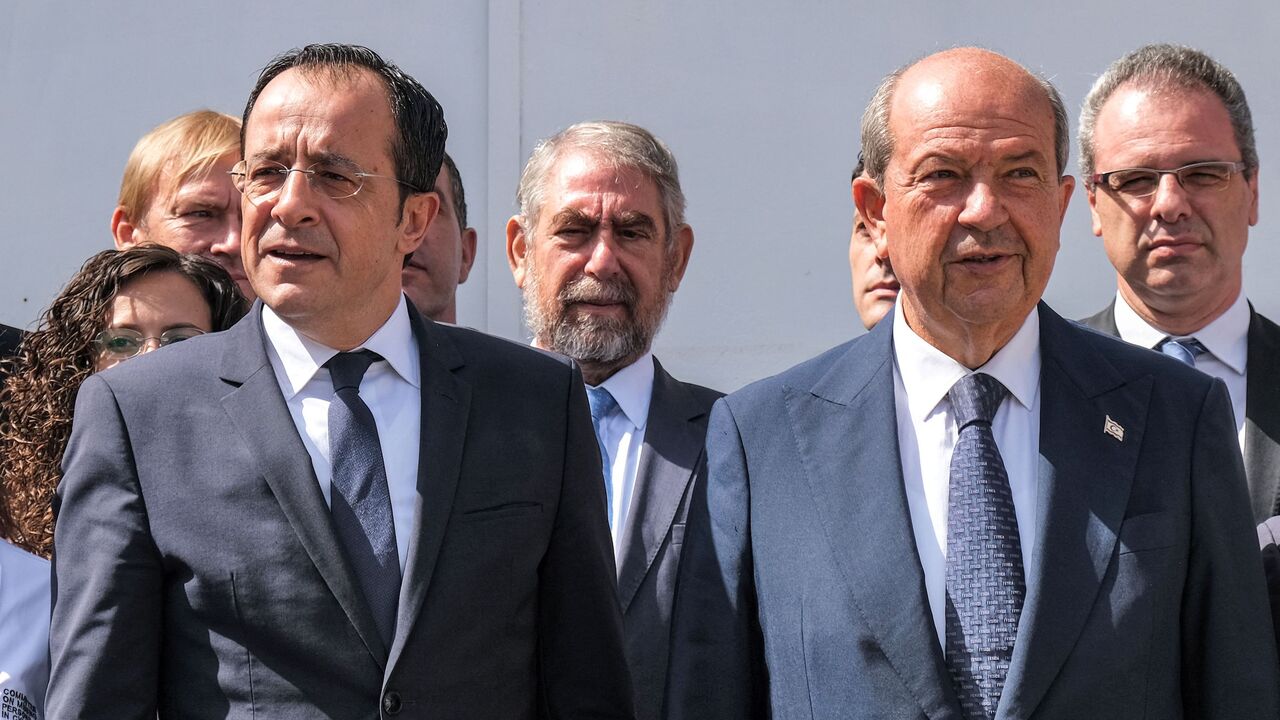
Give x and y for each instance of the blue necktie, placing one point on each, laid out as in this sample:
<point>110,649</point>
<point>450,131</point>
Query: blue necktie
<point>602,406</point>
<point>360,503</point>
<point>1186,349</point>
<point>985,582</point>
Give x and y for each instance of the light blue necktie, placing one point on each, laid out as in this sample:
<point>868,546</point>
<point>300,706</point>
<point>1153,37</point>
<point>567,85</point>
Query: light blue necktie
<point>1186,349</point>
<point>984,576</point>
<point>602,406</point>
<point>359,500</point>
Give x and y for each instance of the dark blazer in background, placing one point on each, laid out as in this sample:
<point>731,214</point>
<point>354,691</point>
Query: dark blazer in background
<point>1268,537</point>
<point>1261,408</point>
<point>198,574</point>
<point>801,593</point>
<point>670,464</point>
<point>9,339</point>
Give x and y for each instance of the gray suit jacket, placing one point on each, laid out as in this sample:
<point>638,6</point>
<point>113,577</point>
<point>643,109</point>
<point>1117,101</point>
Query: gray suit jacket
<point>801,594</point>
<point>198,574</point>
<point>1261,408</point>
<point>671,462</point>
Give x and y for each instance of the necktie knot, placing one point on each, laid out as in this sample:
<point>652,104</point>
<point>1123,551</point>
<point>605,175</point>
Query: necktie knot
<point>602,404</point>
<point>347,369</point>
<point>975,398</point>
<point>1186,349</point>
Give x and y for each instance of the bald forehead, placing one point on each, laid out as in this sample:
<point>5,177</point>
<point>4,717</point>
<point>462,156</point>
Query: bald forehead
<point>971,70</point>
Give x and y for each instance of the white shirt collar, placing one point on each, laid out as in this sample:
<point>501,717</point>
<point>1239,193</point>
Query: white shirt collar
<point>1227,337</point>
<point>632,388</point>
<point>301,357</point>
<point>928,373</point>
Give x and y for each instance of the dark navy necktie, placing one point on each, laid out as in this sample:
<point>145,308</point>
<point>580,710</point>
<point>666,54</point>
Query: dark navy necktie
<point>1186,349</point>
<point>360,503</point>
<point>602,406</point>
<point>985,582</point>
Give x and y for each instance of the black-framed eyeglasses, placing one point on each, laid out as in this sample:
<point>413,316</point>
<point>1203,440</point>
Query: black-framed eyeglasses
<point>122,343</point>
<point>264,178</point>
<point>1143,182</point>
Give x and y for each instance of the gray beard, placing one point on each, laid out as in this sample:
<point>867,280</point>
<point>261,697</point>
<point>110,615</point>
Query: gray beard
<point>590,339</point>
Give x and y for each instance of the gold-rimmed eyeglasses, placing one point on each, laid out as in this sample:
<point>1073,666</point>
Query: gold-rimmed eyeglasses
<point>1139,183</point>
<point>263,179</point>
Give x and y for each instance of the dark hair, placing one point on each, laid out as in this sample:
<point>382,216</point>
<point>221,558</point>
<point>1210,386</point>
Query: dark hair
<point>418,145</point>
<point>459,197</point>
<point>858,169</point>
<point>52,362</point>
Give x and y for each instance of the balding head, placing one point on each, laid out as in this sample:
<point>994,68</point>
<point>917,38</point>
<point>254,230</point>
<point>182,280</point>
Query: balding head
<point>968,196</point>
<point>968,65</point>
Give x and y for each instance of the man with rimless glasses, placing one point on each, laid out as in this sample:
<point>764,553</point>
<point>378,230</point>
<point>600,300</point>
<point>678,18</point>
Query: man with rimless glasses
<point>1171,168</point>
<point>336,508</point>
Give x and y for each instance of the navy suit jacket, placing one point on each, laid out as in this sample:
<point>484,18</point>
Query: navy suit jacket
<point>198,575</point>
<point>1261,408</point>
<point>801,593</point>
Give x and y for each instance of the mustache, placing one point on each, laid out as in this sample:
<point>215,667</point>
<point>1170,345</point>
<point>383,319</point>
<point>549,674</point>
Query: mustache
<point>590,290</point>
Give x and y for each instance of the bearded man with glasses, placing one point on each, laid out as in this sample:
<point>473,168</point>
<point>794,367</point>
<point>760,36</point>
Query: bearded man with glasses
<point>1171,168</point>
<point>336,508</point>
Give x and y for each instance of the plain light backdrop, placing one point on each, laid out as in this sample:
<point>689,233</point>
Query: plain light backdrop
<point>759,101</point>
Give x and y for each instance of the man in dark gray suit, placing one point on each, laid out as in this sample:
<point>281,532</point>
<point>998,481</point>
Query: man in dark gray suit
<point>1169,161</point>
<point>599,248</point>
<point>977,509</point>
<point>336,508</point>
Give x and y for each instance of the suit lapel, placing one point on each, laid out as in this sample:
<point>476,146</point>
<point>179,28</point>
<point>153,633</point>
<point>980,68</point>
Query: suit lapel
<point>845,430</point>
<point>673,442</point>
<point>1262,417</point>
<point>258,411</point>
<point>446,403</point>
<point>1085,478</point>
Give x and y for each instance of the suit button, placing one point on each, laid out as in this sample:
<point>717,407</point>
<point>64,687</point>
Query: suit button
<point>391,703</point>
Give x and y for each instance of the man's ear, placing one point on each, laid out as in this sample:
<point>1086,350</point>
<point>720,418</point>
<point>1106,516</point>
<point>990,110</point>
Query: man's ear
<point>126,234</point>
<point>468,254</point>
<point>869,200</point>
<point>517,250</point>
<point>681,249</point>
<point>420,209</point>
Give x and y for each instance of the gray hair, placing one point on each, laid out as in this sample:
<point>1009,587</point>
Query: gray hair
<point>877,140</point>
<point>1162,67</point>
<point>620,144</point>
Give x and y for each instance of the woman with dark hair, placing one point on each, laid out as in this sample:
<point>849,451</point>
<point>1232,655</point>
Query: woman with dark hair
<point>120,304</point>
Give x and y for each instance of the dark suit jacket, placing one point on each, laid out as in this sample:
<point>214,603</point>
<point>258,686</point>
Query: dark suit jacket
<point>650,543</point>
<point>9,339</point>
<point>197,572</point>
<point>801,593</point>
<point>1261,408</point>
<point>1268,537</point>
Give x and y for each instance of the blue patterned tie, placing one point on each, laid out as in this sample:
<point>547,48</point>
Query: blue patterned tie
<point>360,503</point>
<point>1186,349</point>
<point>602,406</point>
<point>985,583</point>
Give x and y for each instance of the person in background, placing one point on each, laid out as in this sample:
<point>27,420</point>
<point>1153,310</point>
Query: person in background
<point>443,261</point>
<point>1170,163</point>
<point>120,304</point>
<point>599,248</point>
<point>874,286</point>
<point>176,191</point>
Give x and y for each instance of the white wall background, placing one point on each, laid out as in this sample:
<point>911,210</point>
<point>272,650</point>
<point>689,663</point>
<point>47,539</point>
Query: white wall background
<point>760,102</point>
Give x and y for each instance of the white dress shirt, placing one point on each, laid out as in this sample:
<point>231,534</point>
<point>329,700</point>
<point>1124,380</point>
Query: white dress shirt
<point>391,389</point>
<point>927,435</point>
<point>1226,339</point>
<point>24,633</point>
<point>623,435</point>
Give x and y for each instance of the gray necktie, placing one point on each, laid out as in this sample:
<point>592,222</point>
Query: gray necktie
<point>360,503</point>
<point>984,576</point>
<point>602,406</point>
<point>1186,349</point>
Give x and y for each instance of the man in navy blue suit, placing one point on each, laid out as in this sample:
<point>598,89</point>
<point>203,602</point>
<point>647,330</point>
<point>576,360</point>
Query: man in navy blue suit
<point>978,509</point>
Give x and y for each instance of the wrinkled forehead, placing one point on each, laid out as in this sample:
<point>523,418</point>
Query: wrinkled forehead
<point>331,106</point>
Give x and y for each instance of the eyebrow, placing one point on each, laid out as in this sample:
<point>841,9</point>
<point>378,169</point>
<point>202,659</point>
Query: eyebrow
<point>328,158</point>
